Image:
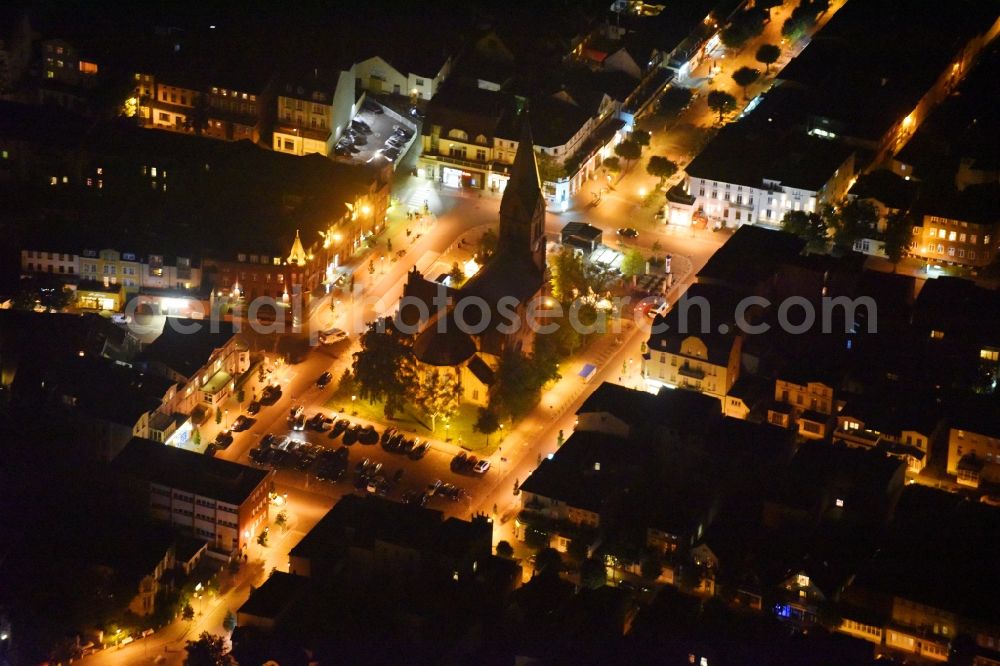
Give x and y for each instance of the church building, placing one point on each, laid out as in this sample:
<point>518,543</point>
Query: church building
<point>467,336</point>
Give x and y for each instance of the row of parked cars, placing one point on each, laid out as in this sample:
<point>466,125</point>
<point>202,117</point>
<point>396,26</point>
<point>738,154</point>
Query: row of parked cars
<point>395,144</point>
<point>464,463</point>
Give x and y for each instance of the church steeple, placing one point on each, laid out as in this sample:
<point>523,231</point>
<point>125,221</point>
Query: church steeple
<point>298,253</point>
<point>522,209</point>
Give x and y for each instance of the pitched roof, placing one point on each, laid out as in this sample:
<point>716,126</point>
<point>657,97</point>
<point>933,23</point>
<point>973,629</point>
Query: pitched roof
<point>482,372</point>
<point>523,194</point>
<point>750,256</point>
<point>186,347</point>
<point>443,342</point>
<point>631,406</point>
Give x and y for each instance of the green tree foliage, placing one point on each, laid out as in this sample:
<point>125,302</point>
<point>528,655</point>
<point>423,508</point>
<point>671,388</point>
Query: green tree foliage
<point>803,18</point>
<point>487,422</point>
<point>384,367</point>
<point>641,137</point>
<point>628,150</point>
<point>593,573</point>
<point>196,437</point>
<point>549,562</point>
<point>549,168</point>
<point>721,102</point>
<point>613,164</point>
<point>810,227</point>
<point>229,622</point>
<point>744,27</point>
<point>519,382</point>
<point>851,221</point>
<point>897,237</point>
<point>456,276</point>
<point>438,394</point>
<point>767,55</point>
<point>281,519</point>
<point>208,650</point>
<point>745,77</point>
<point>562,342</point>
<point>34,295</point>
<point>262,538</point>
<point>218,415</point>
<point>504,549</point>
<point>187,612</point>
<point>488,245</point>
<point>661,167</point>
<point>673,100</point>
<point>568,275</point>
<point>633,263</point>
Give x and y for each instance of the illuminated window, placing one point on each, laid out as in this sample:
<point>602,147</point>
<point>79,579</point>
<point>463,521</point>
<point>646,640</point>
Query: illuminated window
<point>937,335</point>
<point>952,236</point>
<point>989,354</point>
<point>88,67</point>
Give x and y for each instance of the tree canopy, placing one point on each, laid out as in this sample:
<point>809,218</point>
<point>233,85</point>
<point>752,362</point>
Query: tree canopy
<point>810,227</point>
<point>897,237</point>
<point>208,650</point>
<point>519,382</point>
<point>661,167</point>
<point>641,137</point>
<point>487,422</point>
<point>633,263</point>
<point>384,367</point>
<point>613,164</point>
<point>851,221</point>
<point>628,150</point>
<point>721,102</point>
<point>567,275</point>
<point>438,394</point>
<point>488,245</point>
<point>744,77</point>
<point>767,55</point>
<point>673,100</point>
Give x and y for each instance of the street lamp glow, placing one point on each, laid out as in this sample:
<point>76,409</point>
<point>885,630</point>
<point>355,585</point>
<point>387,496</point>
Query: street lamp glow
<point>642,191</point>
<point>366,209</point>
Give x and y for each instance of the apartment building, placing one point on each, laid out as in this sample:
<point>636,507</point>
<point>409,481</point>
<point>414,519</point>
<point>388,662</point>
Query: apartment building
<point>130,269</point>
<point>803,402</point>
<point>751,175</point>
<point>974,442</point>
<point>692,353</point>
<point>215,500</point>
<point>961,230</point>
<point>305,121</point>
<point>418,75</point>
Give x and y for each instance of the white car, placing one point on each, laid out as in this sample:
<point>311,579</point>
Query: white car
<point>331,336</point>
<point>481,467</point>
<point>433,488</point>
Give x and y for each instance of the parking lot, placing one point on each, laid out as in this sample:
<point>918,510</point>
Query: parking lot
<point>371,147</point>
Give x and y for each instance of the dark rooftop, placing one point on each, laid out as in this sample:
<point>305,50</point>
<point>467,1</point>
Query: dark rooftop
<point>886,187</point>
<point>750,257</point>
<point>275,596</point>
<point>189,471</point>
<point>186,346</point>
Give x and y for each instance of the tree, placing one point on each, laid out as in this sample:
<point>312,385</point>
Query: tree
<point>661,167</point>
<point>767,55</point>
<point>504,549</point>
<point>34,294</point>
<point>593,573</point>
<point>488,245</point>
<point>347,385</point>
<point>578,547</point>
<point>641,137</point>
<point>487,422</point>
<point>384,367</point>
<point>633,263</point>
<point>568,275</point>
<point>853,220</point>
<point>456,276</point>
<point>549,168</point>
<point>218,415</point>
<point>744,77</point>
<point>673,100</point>
<point>612,164</point>
<point>897,237</point>
<point>548,561</point>
<point>721,102</point>
<point>281,519</point>
<point>746,25</point>
<point>810,227</point>
<point>651,567</point>
<point>241,395</point>
<point>229,622</point>
<point>197,118</point>
<point>187,612</point>
<point>519,382</point>
<point>262,538</point>
<point>628,150</point>
<point>734,36</point>
<point>438,394</point>
<point>208,650</point>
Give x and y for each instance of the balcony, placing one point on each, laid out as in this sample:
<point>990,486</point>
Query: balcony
<point>691,371</point>
<point>448,159</point>
<point>314,133</point>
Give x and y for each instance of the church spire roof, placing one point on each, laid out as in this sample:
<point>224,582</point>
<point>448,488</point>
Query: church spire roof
<point>298,253</point>
<point>523,193</point>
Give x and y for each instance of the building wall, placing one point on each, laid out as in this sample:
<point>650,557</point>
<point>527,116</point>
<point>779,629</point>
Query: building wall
<point>378,76</point>
<point>59,263</point>
<point>984,447</point>
<point>955,242</point>
<point>682,369</point>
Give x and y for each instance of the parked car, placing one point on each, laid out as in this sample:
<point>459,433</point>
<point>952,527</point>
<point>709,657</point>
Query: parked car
<point>253,408</point>
<point>242,423</point>
<point>433,488</point>
<point>420,450</point>
<point>339,427</point>
<point>351,434</point>
<point>295,412</point>
<point>223,439</point>
<point>387,434</point>
<point>398,476</point>
<point>458,463</point>
<point>373,107</point>
<point>211,450</point>
<point>628,232</point>
<point>407,445</point>
<point>317,422</point>
<point>299,423</point>
<point>270,395</point>
<point>361,126</point>
<point>324,380</point>
<point>481,467</point>
<point>368,436</point>
<point>332,336</point>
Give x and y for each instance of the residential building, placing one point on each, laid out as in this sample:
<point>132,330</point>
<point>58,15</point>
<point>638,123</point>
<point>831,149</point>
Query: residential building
<point>959,229</point>
<point>755,175</point>
<point>903,423</point>
<point>70,72</point>
<point>807,405</point>
<point>380,74</point>
<point>271,603</point>
<point>696,354</point>
<point>205,360</point>
<point>371,537</point>
<point>974,442</point>
<point>313,111</point>
<point>218,501</point>
<point>179,103</point>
